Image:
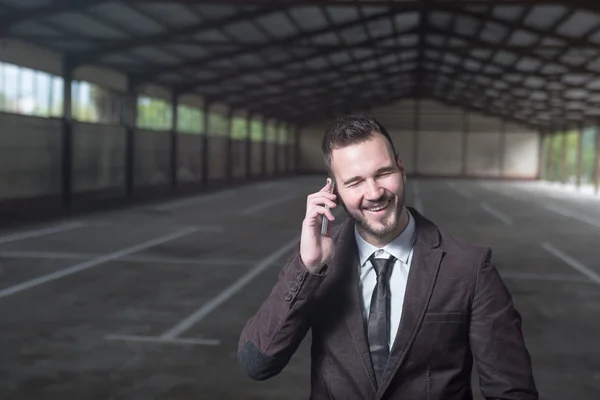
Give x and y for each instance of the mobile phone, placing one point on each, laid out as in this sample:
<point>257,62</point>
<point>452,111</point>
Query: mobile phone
<point>325,220</point>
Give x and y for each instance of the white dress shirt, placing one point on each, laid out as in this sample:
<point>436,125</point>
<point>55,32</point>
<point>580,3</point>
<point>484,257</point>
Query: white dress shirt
<point>401,248</point>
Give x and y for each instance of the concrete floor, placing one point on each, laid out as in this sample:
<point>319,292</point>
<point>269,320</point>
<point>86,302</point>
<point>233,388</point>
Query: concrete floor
<point>148,303</point>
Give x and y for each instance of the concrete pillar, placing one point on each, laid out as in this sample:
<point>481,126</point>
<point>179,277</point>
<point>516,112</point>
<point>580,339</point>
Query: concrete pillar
<point>465,143</point>
<point>205,144</point>
<point>229,147</point>
<point>173,148</point>
<point>597,163</point>
<point>563,173</point>
<point>248,146</point>
<point>540,155</point>
<point>277,148</point>
<point>551,158</point>
<point>67,136</point>
<point>416,128</point>
<point>130,126</point>
<point>579,153</point>
<point>502,147</point>
<point>263,158</point>
<point>297,149</point>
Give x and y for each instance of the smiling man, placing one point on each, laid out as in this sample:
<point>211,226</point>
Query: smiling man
<point>398,309</point>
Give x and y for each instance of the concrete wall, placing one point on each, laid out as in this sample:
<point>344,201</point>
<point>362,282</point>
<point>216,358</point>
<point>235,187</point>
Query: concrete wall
<point>30,156</point>
<point>152,157</point>
<point>445,141</point>
<point>31,159</point>
<point>98,157</point>
<point>189,157</point>
<point>256,166</point>
<point>238,158</point>
<point>217,158</point>
<point>270,155</point>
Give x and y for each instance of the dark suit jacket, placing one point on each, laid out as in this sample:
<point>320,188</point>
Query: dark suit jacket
<point>456,308</point>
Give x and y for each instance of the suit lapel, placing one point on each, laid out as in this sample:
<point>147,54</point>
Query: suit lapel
<point>347,264</point>
<point>421,280</point>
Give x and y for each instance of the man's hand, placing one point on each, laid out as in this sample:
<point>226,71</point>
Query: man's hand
<point>315,249</point>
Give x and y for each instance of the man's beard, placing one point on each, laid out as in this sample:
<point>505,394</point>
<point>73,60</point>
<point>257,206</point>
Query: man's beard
<point>388,224</point>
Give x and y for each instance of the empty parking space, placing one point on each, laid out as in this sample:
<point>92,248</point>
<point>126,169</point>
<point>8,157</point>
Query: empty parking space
<point>174,308</point>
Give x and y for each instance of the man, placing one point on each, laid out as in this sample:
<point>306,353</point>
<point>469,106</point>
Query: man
<point>398,309</point>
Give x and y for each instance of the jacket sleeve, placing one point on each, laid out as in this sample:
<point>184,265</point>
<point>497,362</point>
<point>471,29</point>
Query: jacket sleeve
<point>273,334</point>
<point>501,357</point>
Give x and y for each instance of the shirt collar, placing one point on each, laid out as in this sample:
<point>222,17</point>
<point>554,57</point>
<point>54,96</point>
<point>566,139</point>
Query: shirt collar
<point>400,247</point>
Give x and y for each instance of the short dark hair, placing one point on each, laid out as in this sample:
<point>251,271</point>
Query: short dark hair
<point>348,130</point>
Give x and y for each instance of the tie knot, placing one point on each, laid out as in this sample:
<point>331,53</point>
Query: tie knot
<point>382,265</point>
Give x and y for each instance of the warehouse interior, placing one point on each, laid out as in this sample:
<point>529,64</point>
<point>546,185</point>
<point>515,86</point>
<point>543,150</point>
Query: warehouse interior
<point>143,143</point>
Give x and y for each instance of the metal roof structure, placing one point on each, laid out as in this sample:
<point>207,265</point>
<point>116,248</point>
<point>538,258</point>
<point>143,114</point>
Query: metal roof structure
<point>537,62</point>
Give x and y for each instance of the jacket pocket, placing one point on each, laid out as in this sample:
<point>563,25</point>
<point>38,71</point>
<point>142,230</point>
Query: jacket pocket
<point>449,316</point>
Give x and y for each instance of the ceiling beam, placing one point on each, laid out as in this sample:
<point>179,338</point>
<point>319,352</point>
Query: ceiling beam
<point>18,15</point>
<point>375,3</point>
<point>201,61</point>
<point>192,86</point>
<point>91,56</point>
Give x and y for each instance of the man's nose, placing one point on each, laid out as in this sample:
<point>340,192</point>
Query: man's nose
<point>373,191</point>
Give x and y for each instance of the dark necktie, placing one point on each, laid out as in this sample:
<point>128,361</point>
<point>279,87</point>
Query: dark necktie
<point>379,316</point>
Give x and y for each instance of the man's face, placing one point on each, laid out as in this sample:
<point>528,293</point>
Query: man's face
<point>370,185</point>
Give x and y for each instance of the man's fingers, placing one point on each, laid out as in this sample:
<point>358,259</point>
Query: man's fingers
<point>321,202</point>
<point>320,198</point>
<point>320,210</point>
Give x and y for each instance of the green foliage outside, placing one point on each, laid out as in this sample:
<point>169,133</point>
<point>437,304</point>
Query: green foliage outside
<point>587,156</point>
<point>271,132</point>
<point>239,130</point>
<point>154,114</point>
<point>553,156</point>
<point>256,133</point>
<point>217,124</point>
<point>190,119</point>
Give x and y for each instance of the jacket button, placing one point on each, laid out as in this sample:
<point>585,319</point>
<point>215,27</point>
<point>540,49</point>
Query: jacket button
<point>300,276</point>
<point>287,296</point>
<point>294,287</point>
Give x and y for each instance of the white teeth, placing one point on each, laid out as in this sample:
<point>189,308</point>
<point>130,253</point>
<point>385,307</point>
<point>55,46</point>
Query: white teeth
<point>377,209</point>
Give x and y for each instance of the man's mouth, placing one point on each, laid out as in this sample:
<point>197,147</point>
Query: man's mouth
<point>379,208</point>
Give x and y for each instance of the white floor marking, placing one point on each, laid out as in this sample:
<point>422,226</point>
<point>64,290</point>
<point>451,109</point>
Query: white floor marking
<point>139,259</point>
<point>192,201</point>
<point>572,262</point>
<point>158,339</point>
<point>91,263</point>
<point>460,192</point>
<point>562,211</point>
<point>171,336</point>
<point>226,294</point>
<point>261,206</point>
<point>580,217</point>
<point>40,232</point>
<point>47,254</point>
<point>501,216</point>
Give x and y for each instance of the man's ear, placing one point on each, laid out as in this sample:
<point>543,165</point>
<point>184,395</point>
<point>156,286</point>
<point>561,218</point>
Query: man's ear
<point>335,191</point>
<point>401,166</point>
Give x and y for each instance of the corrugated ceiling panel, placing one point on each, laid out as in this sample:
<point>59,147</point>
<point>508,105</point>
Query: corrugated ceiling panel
<point>85,26</point>
<point>26,4</point>
<point>309,18</point>
<point>129,19</point>
<point>175,15</point>
<point>278,25</point>
<point>35,28</point>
